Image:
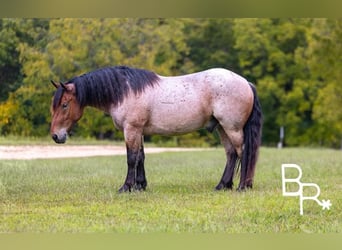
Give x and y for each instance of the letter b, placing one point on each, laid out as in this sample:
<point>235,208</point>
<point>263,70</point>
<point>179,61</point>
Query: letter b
<point>291,180</point>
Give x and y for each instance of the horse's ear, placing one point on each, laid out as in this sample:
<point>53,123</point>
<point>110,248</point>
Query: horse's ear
<point>69,87</point>
<point>54,84</point>
<point>63,86</point>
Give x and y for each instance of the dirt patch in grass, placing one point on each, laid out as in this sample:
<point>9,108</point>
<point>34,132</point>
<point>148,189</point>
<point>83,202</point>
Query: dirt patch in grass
<point>70,151</point>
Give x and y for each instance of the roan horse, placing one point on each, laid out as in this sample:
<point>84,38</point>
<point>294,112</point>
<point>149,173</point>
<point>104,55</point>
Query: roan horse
<point>141,102</point>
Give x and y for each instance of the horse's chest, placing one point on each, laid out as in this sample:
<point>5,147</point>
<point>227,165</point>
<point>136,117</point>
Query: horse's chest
<point>118,122</point>
<point>132,112</point>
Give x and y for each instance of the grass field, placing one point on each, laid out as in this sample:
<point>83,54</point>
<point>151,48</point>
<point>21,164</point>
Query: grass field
<point>80,195</point>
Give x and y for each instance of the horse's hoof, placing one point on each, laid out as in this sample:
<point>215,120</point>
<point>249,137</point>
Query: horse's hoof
<point>219,187</point>
<point>222,186</point>
<point>241,189</point>
<point>139,187</point>
<point>125,188</point>
<point>244,188</point>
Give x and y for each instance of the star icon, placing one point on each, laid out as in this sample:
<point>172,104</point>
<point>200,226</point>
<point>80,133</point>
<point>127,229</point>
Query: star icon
<point>326,204</point>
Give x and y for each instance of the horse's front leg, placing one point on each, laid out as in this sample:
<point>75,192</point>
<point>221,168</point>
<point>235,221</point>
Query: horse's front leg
<point>135,160</point>
<point>141,182</point>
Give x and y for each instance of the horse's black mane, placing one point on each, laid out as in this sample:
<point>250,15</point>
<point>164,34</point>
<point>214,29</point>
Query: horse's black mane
<point>109,85</point>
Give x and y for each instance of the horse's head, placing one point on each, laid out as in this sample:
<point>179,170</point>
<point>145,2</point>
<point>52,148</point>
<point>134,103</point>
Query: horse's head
<point>65,111</point>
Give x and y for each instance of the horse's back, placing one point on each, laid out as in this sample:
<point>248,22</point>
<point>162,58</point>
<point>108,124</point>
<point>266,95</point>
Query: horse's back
<point>181,104</point>
<point>223,79</point>
<point>188,102</point>
<point>228,95</point>
<point>223,87</point>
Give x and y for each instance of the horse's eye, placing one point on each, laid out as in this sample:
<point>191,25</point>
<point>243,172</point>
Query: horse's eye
<point>64,105</point>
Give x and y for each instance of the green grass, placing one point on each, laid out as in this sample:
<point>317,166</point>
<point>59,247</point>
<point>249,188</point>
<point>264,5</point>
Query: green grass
<point>19,140</point>
<point>80,195</point>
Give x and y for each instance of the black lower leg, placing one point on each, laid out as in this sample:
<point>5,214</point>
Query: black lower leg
<point>132,160</point>
<point>141,182</point>
<point>226,181</point>
<point>243,172</point>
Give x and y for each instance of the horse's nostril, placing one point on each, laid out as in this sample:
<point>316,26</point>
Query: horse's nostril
<point>55,137</point>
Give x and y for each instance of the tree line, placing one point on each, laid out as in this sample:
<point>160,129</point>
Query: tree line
<point>295,64</point>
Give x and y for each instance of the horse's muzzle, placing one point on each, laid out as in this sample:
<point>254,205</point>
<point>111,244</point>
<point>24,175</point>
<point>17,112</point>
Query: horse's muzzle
<point>57,139</point>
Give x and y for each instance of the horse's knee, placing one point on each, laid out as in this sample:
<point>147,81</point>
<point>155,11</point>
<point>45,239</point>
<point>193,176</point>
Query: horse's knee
<point>238,150</point>
<point>236,138</point>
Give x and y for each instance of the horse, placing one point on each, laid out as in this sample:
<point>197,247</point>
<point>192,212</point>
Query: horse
<point>142,102</point>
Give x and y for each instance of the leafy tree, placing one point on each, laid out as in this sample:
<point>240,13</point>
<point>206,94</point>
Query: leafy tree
<point>71,47</point>
<point>211,43</point>
<point>325,54</point>
<point>269,52</point>
<point>13,32</point>
<point>21,35</point>
<point>9,64</point>
<point>295,64</point>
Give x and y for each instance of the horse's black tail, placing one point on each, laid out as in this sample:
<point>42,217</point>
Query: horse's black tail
<point>252,141</point>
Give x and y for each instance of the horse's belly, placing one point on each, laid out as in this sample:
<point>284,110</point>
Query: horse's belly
<point>173,122</point>
<point>177,107</point>
<point>171,129</point>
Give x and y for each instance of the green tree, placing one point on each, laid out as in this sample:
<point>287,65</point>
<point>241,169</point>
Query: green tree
<point>325,62</point>
<point>295,64</point>
<point>71,47</point>
<point>9,64</point>
<point>269,52</point>
<point>25,100</point>
<point>13,32</point>
<point>211,44</point>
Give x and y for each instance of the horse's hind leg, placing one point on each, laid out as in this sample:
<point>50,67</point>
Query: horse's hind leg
<point>226,181</point>
<point>236,137</point>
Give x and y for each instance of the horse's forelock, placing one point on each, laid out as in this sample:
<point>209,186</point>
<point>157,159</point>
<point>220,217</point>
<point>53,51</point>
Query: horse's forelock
<point>57,97</point>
